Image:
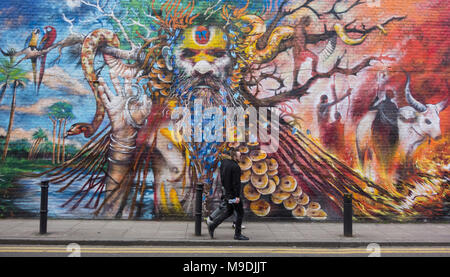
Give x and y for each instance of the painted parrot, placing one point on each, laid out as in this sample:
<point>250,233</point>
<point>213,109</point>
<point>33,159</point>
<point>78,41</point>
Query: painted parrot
<point>47,40</point>
<point>32,43</point>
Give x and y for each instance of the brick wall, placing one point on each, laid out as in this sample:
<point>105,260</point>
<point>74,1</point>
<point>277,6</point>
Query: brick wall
<point>328,68</point>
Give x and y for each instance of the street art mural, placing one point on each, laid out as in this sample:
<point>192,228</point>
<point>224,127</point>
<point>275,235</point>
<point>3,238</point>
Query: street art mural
<point>124,106</point>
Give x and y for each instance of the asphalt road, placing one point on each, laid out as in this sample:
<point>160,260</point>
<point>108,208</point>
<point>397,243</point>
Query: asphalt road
<point>75,250</point>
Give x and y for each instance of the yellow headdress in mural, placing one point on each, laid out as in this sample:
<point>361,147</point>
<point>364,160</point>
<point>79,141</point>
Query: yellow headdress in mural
<point>204,42</point>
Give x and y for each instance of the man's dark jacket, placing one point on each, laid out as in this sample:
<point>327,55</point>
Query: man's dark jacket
<point>230,174</point>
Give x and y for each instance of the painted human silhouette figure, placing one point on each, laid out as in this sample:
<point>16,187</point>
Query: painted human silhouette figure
<point>385,134</point>
<point>323,116</point>
<point>299,51</point>
<point>336,135</point>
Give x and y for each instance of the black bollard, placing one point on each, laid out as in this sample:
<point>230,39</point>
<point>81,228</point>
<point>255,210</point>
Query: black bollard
<point>44,208</point>
<point>198,210</point>
<point>348,214</point>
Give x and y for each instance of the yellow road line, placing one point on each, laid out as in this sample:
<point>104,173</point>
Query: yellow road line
<point>227,248</point>
<point>223,250</point>
<point>231,252</point>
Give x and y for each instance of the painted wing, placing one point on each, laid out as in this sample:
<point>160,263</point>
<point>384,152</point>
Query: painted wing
<point>27,41</point>
<point>43,43</point>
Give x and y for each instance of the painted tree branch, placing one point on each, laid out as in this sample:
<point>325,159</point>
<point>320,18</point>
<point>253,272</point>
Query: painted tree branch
<point>338,14</point>
<point>315,38</point>
<point>300,91</point>
<point>255,80</point>
<point>73,40</point>
<point>327,34</point>
<point>262,42</point>
<point>373,28</point>
<point>112,16</point>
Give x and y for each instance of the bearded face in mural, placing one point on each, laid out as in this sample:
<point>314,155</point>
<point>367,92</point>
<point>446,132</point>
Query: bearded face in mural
<point>203,65</point>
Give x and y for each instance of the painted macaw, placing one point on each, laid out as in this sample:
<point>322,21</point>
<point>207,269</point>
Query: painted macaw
<point>32,43</point>
<point>46,42</point>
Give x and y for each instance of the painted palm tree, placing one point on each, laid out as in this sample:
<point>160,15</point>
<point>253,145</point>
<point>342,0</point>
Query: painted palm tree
<point>38,137</point>
<point>54,115</point>
<point>10,72</point>
<point>4,84</point>
<point>59,114</point>
<point>6,66</point>
<point>67,115</point>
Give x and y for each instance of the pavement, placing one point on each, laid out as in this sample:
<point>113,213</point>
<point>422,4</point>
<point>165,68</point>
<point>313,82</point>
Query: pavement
<point>182,233</point>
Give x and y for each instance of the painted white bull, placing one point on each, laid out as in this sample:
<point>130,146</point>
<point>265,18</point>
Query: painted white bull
<point>416,123</point>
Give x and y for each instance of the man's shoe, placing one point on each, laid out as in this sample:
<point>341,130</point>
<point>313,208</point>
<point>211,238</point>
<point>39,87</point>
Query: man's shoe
<point>211,231</point>
<point>208,221</point>
<point>234,226</point>
<point>240,237</point>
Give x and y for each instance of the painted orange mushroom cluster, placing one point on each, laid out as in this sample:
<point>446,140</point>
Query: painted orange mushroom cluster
<point>264,187</point>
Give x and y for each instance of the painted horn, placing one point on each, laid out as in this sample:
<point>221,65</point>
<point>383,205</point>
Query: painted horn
<point>442,105</point>
<point>413,102</point>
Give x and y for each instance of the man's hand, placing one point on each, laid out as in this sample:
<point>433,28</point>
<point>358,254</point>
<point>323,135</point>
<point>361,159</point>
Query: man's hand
<point>124,108</point>
<point>234,200</point>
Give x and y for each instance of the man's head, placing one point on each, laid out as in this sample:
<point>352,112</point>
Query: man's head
<point>305,21</point>
<point>203,63</point>
<point>337,116</point>
<point>232,154</point>
<point>390,94</point>
<point>323,98</point>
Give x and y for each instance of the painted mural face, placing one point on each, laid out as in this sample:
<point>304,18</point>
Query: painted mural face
<point>119,81</point>
<point>202,58</point>
<point>203,51</point>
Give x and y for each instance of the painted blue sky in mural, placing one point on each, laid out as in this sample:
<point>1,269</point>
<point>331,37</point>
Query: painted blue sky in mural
<point>18,19</point>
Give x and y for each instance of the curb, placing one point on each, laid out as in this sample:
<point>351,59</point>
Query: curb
<point>307,244</point>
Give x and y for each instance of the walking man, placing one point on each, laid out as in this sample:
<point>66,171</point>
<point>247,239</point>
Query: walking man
<point>230,175</point>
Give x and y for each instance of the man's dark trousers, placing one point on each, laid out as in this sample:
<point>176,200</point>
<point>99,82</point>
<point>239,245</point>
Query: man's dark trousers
<point>230,175</point>
<point>226,210</point>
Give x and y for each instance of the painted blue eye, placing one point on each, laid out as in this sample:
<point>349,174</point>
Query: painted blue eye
<point>201,34</point>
